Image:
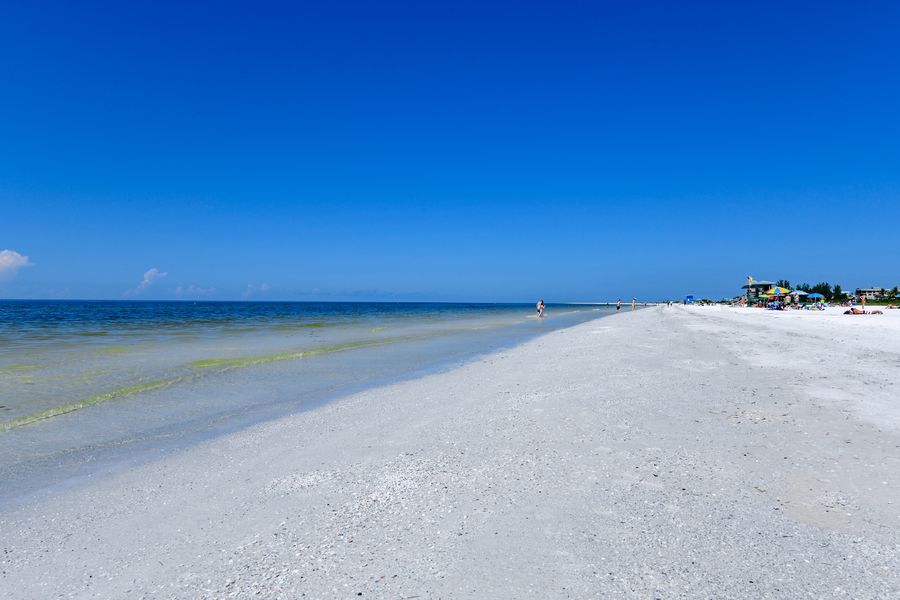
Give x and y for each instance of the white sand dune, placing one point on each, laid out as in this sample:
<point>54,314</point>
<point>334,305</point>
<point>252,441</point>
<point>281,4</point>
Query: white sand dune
<point>671,452</point>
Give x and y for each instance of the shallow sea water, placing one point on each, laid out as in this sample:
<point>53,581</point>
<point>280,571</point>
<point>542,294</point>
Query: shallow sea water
<point>88,387</point>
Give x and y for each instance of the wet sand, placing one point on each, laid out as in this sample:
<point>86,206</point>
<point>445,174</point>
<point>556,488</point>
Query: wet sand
<point>670,452</point>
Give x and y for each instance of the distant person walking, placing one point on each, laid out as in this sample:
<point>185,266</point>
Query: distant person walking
<point>540,309</point>
<point>618,305</point>
<point>634,304</point>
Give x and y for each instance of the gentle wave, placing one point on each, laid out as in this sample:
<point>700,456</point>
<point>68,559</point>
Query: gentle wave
<point>18,368</point>
<point>249,361</point>
<point>122,392</point>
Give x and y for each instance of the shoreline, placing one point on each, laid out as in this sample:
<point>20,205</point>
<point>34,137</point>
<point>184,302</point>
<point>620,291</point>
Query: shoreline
<point>664,451</point>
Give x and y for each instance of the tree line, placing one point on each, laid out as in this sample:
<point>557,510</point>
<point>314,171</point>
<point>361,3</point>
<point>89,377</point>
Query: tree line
<point>831,294</point>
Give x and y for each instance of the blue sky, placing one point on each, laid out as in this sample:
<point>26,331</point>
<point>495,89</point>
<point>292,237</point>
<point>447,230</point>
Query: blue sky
<point>446,151</point>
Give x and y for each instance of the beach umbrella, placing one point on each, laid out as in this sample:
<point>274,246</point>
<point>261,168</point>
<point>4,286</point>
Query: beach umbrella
<point>816,295</point>
<point>778,291</point>
<point>799,293</point>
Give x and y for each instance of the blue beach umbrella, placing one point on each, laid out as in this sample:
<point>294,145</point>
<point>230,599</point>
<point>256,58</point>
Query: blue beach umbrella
<point>816,295</point>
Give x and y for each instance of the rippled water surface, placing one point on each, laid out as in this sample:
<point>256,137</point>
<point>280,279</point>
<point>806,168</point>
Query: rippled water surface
<point>91,383</point>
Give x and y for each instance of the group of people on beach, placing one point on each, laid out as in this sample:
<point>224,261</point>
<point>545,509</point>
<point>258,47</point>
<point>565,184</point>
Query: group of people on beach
<point>619,304</point>
<point>786,304</point>
<point>540,306</point>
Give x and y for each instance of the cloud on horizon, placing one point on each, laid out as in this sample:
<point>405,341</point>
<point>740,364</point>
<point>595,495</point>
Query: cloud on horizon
<point>193,290</point>
<point>255,289</point>
<point>150,277</point>
<point>10,263</point>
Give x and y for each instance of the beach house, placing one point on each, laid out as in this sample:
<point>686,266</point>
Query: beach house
<point>755,290</point>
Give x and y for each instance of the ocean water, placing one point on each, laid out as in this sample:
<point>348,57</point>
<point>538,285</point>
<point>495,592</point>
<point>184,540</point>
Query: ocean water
<point>90,386</point>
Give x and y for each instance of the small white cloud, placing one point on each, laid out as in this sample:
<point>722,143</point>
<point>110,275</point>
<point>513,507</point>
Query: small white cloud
<point>193,290</point>
<point>255,289</point>
<point>150,277</point>
<point>10,263</point>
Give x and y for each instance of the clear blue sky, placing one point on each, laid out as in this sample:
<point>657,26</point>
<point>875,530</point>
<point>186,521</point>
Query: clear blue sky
<point>446,151</point>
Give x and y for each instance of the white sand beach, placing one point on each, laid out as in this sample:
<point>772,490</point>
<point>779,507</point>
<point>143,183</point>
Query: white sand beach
<point>673,452</point>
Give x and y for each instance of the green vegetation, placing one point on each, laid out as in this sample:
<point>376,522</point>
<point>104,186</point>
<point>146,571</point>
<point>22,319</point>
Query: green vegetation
<point>834,294</point>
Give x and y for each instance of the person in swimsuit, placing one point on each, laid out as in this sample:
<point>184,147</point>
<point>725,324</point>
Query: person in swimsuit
<point>634,304</point>
<point>618,305</point>
<point>857,311</point>
<point>540,308</point>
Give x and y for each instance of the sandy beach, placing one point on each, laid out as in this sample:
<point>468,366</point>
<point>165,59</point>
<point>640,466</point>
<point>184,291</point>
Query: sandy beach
<point>672,452</point>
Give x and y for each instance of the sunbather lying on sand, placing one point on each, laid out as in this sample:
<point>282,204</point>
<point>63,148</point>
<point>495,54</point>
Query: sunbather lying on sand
<point>859,311</point>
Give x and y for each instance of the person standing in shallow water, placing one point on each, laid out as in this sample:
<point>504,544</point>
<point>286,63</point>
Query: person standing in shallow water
<point>540,308</point>
<point>618,305</point>
<point>634,304</point>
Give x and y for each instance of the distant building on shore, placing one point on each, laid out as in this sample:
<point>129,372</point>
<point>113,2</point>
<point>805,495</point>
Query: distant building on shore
<point>755,289</point>
<point>870,293</point>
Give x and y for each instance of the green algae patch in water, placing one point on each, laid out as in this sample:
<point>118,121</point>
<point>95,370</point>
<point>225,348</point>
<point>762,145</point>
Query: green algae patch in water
<point>88,377</point>
<point>128,390</point>
<point>249,361</point>
<point>19,373</point>
<point>213,364</point>
<point>244,361</point>
<point>18,369</point>
<point>312,325</point>
<point>112,350</point>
